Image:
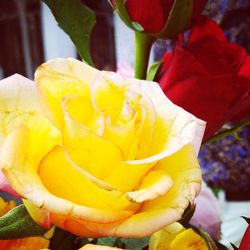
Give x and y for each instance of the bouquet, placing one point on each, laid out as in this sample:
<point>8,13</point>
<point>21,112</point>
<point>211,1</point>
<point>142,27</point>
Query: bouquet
<point>102,160</point>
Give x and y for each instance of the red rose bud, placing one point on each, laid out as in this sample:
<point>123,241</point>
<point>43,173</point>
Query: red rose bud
<point>163,18</point>
<point>209,77</point>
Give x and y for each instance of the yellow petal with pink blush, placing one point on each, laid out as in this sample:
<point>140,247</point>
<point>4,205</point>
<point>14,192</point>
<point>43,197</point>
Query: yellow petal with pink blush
<point>20,244</point>
<point>40,215</point>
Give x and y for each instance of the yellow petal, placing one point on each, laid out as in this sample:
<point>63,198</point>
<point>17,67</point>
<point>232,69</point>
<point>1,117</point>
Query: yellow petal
<point>63,180</point>
<point>185,172</point>
<point>153,215</point>
<point>173,127</point>
<point>6,206</point>
<point>126,177</point>
<point>79,108</point>
<point>138,225</point>
<point>19,105</point>
<point>61,77</point>
<point>24,179</point>
<point>188,240</point>
<point>108,93</point>
<point>40,215</point>
<point>162,239</point>
<point>155,184</point>
<point>88,150</point>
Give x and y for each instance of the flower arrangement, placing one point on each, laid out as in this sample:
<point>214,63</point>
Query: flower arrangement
<point>104,161</point>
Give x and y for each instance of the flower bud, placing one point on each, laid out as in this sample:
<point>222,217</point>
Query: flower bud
<point>160,18</point>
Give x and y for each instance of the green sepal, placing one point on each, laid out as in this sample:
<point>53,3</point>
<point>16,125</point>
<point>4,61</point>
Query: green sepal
<point>64,240</point>
<point>152,72</point>
<point>209,241</point>
<point>178,20</point>
<point>122,12</point>
<point>77,20</point>
<point>246,219</point>
<point>187,215</point>
<point>233,246</point>
<point>17,223</point>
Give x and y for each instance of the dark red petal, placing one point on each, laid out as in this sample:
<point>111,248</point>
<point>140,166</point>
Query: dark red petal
<point>150,14</point>
<point>182,64</point>
<point>206,27</point>
<point>209,98</point>
<point>218,58</point>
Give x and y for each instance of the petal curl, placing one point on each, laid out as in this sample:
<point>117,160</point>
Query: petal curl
<point>58,78</point>
<point>185,172</point>
<point>23,177</point>
<point>155,183</point>
<point>88,150</point>
<point>63,180</point>
<point>18,103</point>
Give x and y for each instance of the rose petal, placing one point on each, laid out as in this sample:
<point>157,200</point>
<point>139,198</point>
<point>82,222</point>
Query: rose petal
<point>153,215</point>
<point>155,184</point>
<point>64,181</point>
<point>58,78</point>
<point>22,174</point>
<point>40,215</point>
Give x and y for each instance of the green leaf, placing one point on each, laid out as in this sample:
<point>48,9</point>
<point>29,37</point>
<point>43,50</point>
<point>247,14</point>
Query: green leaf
<point>17,223</point>
<point>152,72</point>
<point>229,131</point>
<point>77,20</point>
<point>107,241</point>
<point>178,20</point>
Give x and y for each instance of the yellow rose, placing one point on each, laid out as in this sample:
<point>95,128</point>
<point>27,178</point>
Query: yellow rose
<point>30,243</point>
<point>97,154</point>
<point>176,237</point>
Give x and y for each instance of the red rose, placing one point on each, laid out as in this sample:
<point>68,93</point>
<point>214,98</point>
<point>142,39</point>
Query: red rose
<point>209,77</point>
<point>152,15</point>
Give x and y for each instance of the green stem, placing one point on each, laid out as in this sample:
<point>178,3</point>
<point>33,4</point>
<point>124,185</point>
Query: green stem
<point>230,131</point>
<point>143,43</point>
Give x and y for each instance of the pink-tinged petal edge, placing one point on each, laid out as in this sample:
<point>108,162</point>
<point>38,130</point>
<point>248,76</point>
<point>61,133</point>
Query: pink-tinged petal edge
<point>5,186</point>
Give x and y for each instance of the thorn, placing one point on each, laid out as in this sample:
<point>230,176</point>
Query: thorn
<point>246,219</point>
<point>234,247</point>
